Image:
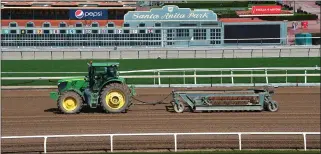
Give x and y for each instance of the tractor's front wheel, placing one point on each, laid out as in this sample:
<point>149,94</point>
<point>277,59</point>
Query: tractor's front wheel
<point>70,102</point>
<point>115,98</point>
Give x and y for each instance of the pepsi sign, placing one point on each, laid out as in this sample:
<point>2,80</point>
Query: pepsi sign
<point>88,14</point>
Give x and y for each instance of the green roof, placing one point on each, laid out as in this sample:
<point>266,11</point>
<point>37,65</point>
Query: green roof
<point>100,64</point>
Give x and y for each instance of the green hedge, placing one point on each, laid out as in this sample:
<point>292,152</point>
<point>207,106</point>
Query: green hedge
<point>296,17</point>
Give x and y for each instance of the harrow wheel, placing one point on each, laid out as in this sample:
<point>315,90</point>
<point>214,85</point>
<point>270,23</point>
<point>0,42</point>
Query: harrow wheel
<point>115,98</point>
<point>179,108</point>
<point>272,106</point>
<point>70,102</point>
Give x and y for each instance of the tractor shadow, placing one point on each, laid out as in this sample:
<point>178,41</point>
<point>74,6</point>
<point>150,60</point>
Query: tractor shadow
<point>84,110</point>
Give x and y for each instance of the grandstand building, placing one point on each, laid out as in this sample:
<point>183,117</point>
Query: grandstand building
<point>116,24</point>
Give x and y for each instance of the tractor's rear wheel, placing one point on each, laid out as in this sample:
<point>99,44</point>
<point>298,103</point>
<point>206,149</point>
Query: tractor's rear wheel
<point>70,102</point>
<point>115,98</point>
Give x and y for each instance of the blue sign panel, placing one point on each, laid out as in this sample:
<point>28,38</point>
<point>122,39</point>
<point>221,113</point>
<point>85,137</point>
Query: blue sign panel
<point>93,14</point>
<point>171,13</point>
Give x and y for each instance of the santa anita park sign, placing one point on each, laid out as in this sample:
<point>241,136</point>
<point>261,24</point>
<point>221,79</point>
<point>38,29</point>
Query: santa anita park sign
<point>171,12</point>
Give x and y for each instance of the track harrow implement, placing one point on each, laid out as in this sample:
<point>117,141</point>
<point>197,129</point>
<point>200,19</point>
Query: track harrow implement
<point>225,100</point>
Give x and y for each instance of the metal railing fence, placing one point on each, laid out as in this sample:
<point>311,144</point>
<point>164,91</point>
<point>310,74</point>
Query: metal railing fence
<point>195,76</point>
<point>24,53</point>
<point>175,135</point>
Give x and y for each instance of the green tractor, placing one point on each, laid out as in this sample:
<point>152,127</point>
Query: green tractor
<point>101,88</point>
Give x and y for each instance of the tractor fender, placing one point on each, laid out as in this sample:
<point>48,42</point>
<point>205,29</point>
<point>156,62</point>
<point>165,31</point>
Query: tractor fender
<point>108,82</point>
<point>78,92</point>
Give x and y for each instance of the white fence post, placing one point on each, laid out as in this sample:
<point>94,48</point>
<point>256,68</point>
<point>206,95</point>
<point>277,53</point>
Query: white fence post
<point>286,77</point>
<point>159,79</point>
<point>240,141</point>
<point>251,76</point>
<point>195,77</point>
<point>45,144</point>
<point>232,78</point>
<point>175,141</point>
<point>305,77</point>
<point>305,141</point>
<point>111,143</point>
<point>266,77</point>
<point>154,78</point>
<point>184,78</point>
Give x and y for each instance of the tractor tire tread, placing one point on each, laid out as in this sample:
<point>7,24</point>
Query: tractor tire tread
<point>123,88</point>
<point>73,94</point>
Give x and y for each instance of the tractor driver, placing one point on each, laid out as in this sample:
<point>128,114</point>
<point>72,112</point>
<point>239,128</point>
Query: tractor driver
<point>109,71</point>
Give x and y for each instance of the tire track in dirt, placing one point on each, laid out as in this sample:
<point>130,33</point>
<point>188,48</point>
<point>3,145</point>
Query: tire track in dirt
<point>35,114</point>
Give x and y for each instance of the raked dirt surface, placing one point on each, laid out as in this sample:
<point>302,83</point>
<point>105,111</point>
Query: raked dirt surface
<point>32,112</point>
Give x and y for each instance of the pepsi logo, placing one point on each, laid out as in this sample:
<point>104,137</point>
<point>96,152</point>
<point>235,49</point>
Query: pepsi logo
<point>79,14</point>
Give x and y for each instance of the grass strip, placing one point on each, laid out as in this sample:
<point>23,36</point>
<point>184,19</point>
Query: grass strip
<point>141,64</point>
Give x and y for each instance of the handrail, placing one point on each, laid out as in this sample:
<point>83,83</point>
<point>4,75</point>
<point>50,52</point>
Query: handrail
<point>156,74</point>
<point>166,134</point>
<point>168,76</point>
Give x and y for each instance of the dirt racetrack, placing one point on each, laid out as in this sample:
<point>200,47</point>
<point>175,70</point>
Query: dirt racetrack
<point>32,112</point>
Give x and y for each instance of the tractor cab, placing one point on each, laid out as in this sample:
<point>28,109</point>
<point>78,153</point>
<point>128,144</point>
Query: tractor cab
<point>98,70</point>
<point>101,72</point>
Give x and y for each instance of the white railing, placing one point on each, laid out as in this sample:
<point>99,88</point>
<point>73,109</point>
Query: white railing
<point>49,53</point>
<point>175,135</point>
<point>184,73</point>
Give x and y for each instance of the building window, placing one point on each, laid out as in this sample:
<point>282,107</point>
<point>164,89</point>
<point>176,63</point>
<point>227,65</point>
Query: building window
<point>95,25</point>
<point>157,24</point>
<point>13,31</point>
<point>13,24</point>
<point>62,24</point>
<point>142,25</point>
<point>78,31</point>
<point>126,25</point>
<point>182,33</point>
<point>46,25</point>
<point>46,31</point>
<point>30,25</point>
<point>78,24</point>
<point>110,31</point>
<point>110,25</point>
<point>215,36</point>
<point>199,34</point>
<point>62,31</point>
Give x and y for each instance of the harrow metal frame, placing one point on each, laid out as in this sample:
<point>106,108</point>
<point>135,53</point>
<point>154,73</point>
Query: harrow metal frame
<point>198,100</point>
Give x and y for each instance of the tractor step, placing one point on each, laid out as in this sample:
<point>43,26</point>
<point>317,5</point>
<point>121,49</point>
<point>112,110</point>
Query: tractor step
<point>93,105</point>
